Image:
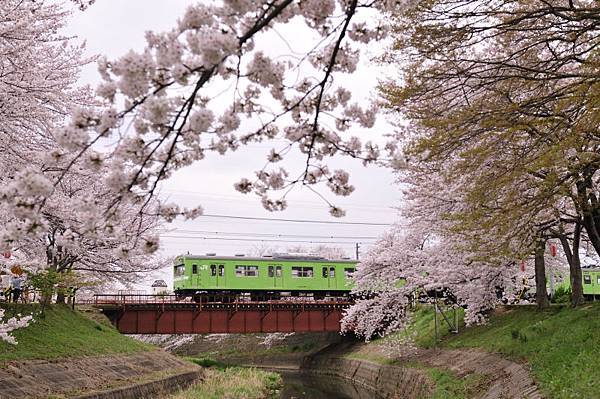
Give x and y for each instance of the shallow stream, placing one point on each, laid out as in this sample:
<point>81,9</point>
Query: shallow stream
<point>308,386</point>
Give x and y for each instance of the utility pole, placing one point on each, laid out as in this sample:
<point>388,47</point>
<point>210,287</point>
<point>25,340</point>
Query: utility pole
<point>357,247</point>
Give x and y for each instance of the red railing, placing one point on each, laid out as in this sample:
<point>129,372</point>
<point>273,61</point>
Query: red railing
<point>147,299</point>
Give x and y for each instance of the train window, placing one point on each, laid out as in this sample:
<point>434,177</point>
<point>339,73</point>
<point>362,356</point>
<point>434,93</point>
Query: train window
<point>325,272</point>
<point>213,270</point>
<point>271,271</point>
<point>332,272</point>
<point>195,268</point>
<point>348,272</point>
<point>179,270</point>
<point>587,279</point>
<point>221,270</point>
<point>302,271</point>
<point>278,271</point>
<point>246,271</point>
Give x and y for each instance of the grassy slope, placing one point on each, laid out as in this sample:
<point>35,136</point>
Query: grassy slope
<point>64,333</point>
<point>560,344</point>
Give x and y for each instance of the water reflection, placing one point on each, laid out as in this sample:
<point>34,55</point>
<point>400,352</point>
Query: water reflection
<point>308,386</point>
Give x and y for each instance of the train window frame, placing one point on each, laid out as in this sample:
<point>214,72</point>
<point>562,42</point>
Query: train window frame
<point>598,279</point>
<point>213,270</point>
<point>325,273</point>
<point>303,272</point>
<point>271,271</point>
<point>247,271</point>
<point>194,268</point>
<point>278,271</point>
<point>349,272</point>
<point>179,270</point>
<point>221,270</point>
<point>587,279</point>
<point>331,272</point>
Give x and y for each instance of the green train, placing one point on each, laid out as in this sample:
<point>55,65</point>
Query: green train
<point>205,277</point>
<point>591,282</point>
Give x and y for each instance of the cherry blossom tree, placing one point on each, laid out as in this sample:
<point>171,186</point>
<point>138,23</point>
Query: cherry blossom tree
<point>11,324</point>
<point>210,85</point>
<point>54,216</point>
<point>503,106</point>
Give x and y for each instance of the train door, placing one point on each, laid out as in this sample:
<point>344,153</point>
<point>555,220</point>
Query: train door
<point>328,272</point>
<point>213,278</point>
<point>276,273</point>
<point>221,279</point>
<point>195,277</point>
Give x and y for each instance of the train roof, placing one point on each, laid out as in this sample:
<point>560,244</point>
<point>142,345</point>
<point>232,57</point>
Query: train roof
<point>279,257</point>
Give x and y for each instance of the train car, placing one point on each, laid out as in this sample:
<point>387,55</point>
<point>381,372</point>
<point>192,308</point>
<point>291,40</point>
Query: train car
<point>591,282</point>
<point>270,276</point>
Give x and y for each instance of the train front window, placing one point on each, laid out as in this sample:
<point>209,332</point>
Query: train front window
<point>587,279</point>
<point>246,271</point>
<point>179,270</point>
<point>302,271</point>
<point>348,272</point>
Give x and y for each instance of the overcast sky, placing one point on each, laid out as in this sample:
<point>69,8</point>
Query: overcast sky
<point>111,28</point>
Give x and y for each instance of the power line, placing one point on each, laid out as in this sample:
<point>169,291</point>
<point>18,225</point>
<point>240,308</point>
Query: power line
<point>295,220</point>
<point>262,240</point>
<point>315,204</point>
<point>275,235</point>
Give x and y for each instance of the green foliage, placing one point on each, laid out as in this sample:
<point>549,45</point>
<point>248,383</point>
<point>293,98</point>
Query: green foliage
<point>207,362</point>
<point>560,344</point>
<point>562,295</point>
<point>234,382</point>
<point>63,333</point>
<point>449,386</point>
<point>45,282</point>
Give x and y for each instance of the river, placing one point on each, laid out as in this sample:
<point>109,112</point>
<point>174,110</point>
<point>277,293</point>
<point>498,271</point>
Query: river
<point>307,386</point>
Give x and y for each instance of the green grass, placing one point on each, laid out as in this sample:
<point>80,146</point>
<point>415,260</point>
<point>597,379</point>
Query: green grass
<point>422,328</point>
<point>234,383</point>
<point>64,333</point>
<point>560,344</point>
<point>449,386</point>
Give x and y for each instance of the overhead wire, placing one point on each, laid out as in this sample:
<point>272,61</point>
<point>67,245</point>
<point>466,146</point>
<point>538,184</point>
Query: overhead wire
<point>264,240</point>
<point>294,220</point>
<point>274,235</point>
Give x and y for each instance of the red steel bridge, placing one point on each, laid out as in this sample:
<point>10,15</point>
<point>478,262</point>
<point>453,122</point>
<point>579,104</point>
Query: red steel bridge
<point>166,314</point>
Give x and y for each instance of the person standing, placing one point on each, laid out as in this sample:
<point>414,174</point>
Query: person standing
<point>17,287</point>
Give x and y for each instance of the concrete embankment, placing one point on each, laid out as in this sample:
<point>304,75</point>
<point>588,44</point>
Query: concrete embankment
<point>140,375</point>
<point>385,380</point>
<point>408,377</point>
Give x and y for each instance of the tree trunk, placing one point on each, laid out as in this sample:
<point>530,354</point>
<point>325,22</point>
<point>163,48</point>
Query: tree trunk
<point>574,265</point>
<point>60,298</point>
<point>588,214</point>
<point>541,294</point>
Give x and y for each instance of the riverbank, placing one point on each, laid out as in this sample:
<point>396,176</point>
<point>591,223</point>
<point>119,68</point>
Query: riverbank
<point>68,354</point>
<point>519,346</point>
